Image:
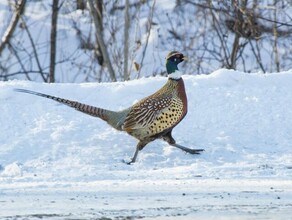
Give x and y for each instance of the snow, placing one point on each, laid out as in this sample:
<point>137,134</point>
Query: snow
<point>12,170</point>
<point>58,163</point>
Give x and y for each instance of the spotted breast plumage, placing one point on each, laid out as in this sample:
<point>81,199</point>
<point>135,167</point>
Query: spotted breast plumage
<point>152,117</point>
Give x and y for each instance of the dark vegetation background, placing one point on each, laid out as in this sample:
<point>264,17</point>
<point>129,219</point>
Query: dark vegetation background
<point>114,40</point>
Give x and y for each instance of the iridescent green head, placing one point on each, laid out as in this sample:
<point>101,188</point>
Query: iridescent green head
<point>172,60</point>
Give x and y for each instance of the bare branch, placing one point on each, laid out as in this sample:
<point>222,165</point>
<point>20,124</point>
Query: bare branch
<point>257,55</point>
<point>220,36</point>
<point>19,8</point>
<point>148,35</point>
<point>19,61</point>
<point>33,49</point>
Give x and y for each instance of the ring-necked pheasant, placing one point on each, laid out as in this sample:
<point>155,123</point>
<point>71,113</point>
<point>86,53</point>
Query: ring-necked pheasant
<point>152,117</point>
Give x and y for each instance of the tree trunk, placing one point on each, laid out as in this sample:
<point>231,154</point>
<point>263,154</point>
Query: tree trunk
<point>53,41</point>
<point>234,52</point>
<point>101,43</point>
<point>98,53</point>
<point>275,46</point>
<point>81,4</point>
<point>126,41</point>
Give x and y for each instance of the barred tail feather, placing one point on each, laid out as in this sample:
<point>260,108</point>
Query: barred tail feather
<point>87,109</point>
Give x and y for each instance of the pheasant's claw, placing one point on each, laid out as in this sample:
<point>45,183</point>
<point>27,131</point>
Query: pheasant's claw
<point>195,151</point>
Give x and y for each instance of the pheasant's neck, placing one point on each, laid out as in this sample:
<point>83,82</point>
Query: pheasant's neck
<point>172,70</point>
<point>175,75</point>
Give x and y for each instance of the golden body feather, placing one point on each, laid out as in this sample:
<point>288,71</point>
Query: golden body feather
<point>157,113</point>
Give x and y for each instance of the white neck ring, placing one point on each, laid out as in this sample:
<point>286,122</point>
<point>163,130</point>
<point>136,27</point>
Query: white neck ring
<point>175,75</point>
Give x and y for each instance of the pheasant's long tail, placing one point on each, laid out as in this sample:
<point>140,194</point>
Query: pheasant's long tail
<point>87,109</point>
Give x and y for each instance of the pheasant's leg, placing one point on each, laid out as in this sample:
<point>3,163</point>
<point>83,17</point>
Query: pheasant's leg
<point>169,139</point>
<point>133,160</point>
<point>139,147</point>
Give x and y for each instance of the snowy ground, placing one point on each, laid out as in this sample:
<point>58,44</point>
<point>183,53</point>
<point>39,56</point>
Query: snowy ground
<point>57,163</point>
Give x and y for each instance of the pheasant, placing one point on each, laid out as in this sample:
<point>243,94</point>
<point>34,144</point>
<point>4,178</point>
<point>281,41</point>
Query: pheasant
<point>151,118</point>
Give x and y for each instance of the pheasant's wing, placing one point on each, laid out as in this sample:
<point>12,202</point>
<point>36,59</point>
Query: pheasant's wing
<point>145,112</point>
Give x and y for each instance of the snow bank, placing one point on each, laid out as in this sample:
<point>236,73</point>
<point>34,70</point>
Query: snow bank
<point>243,121</point>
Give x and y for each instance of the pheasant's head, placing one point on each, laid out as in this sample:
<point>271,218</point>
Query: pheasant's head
<point>172,60</point>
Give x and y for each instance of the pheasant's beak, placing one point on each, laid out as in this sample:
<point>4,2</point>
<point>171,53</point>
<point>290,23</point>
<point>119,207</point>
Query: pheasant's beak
<point>185,58</point>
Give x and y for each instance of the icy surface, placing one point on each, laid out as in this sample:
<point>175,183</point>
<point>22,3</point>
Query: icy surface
<point>58,163</point>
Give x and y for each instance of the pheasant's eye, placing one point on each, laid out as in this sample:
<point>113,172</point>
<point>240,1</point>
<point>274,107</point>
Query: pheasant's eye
<point>175,59</point>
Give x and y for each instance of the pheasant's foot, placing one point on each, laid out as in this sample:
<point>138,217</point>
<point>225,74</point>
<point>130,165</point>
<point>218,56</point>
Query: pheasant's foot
<point>194,151</point>
<point>133,160</point>
<point>128,162</point>
<point>188,150</point>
